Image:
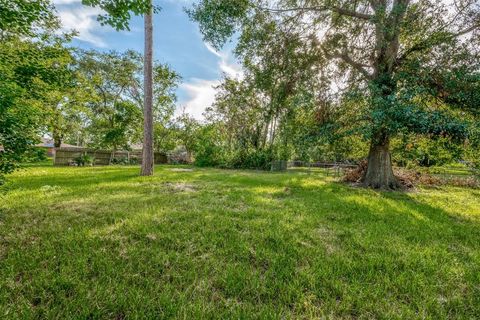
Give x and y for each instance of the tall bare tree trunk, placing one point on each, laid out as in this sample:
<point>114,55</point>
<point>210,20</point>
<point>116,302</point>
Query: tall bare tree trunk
<point>148,154</point>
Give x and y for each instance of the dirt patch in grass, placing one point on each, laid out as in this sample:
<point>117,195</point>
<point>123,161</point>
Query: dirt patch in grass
<point>328,239</point>
<point>48,189</point>
<point>75,206</point>
<point>170,187</point>
<point>179,187</point>
<point>181,170</point>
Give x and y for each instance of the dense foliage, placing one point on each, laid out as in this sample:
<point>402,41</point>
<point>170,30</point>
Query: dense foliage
<point>401,77</point>
<point>29,71</point>
<point>323,70</point>
<point>85,98</point>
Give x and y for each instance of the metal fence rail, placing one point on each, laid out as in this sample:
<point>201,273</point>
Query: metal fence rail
<point>334,168</point>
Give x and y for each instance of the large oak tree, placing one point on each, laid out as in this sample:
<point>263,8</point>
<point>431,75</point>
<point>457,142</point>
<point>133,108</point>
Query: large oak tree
<point>408,65</point>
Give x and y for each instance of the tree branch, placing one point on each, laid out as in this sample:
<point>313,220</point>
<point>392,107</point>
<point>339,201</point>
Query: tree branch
<point>348,60</point>
<point>339,10</point>
<point>466,30</point>
<point>430,43</point>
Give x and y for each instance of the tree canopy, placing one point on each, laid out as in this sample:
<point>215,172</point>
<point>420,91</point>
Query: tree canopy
<point>392,66</point>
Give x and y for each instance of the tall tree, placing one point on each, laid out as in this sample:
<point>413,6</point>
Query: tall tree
<point>407,64</point>
<point>28,70</point>
<point>148,152</point>
<point>65,102</point>
<point>115,119</point>
<point>187,132</point>
<point>118,15</point>
<point>165,81</point>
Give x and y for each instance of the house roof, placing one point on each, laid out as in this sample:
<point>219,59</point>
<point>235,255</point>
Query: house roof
<point>49,143</point>
<point>137,146</point>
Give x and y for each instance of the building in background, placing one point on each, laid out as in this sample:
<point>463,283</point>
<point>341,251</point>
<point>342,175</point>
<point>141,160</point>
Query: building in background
<point>48,145</point>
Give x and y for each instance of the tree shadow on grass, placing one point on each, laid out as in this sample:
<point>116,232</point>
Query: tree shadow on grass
<point>412,212</point>
<point>80,176</point>
<point>238,241</point>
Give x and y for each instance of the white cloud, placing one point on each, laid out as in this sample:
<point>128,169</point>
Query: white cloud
<point>227,64</point>
<point>201,92</point>
<point>82,19</point>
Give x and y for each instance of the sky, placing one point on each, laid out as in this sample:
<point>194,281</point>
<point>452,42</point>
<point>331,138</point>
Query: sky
<point>177,42</point>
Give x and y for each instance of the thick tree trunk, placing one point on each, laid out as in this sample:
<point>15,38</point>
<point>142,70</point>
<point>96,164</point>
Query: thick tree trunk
<point>148,154</point>
<point>379,174</point>
<point>57,139</point>
<point>57,142</point>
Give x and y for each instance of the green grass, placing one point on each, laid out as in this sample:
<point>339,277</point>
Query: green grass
<point>104,243</point>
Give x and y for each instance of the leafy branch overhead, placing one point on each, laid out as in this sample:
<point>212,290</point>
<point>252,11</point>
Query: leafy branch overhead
<point>119,12</point>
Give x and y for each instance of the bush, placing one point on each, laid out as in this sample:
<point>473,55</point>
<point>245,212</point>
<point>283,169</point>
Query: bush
<point>209,154</point>
<point>179,156</point>
<point>35,155</point>
<point>120,161</point>
<point>134,161</point>
<point>125,161</point>
<point>416,151</point>
<point>84,160</point>
<point>209,150</point>
<point>255,159</point>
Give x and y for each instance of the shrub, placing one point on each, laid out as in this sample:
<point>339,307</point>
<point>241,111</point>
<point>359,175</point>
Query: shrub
<point>209,154</point>
<point>179,156</point>
<point>120,161</point>
<point>125,161</point>
<point>256,159</point>
<point>413,151</point>
<point>84,160</point>
<point>134,161</point>
<point>35,155</point>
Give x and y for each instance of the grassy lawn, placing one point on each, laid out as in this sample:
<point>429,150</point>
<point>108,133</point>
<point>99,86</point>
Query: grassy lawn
<point>104,243</point>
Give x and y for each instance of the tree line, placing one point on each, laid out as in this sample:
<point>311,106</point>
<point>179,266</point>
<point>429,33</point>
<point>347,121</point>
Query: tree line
<point>82,97</point>
<point>392,81</point>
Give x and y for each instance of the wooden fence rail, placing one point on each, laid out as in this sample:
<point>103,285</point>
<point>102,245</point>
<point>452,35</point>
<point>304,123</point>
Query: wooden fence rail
<point>67,156</point>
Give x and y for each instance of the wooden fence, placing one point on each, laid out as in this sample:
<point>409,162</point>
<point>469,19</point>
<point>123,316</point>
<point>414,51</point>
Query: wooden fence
<point>67,156</point>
